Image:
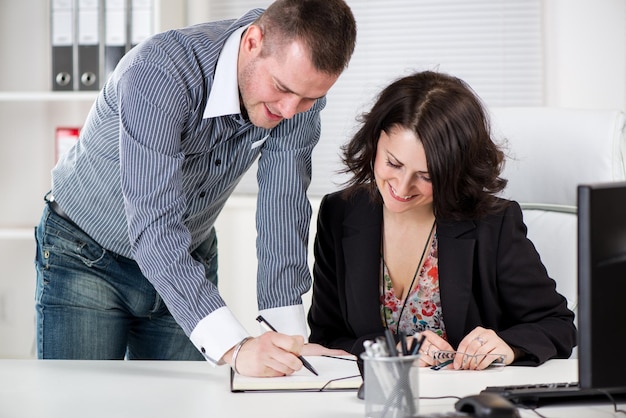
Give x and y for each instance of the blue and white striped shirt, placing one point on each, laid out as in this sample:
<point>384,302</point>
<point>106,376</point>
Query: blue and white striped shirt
<point>150,175</point>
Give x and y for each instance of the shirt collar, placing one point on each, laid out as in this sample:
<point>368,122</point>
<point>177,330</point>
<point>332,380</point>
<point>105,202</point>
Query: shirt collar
<point>224,95</point>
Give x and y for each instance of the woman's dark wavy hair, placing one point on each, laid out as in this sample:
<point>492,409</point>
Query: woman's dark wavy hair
<point>449,119</point>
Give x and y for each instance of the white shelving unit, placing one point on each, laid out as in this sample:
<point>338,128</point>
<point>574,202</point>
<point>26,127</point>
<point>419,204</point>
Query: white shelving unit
<point>30,112</point>
<point>29,115</point>
<point>46,96</point>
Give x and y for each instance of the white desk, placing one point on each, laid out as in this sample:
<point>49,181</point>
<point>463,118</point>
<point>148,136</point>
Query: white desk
<point>134,389</point>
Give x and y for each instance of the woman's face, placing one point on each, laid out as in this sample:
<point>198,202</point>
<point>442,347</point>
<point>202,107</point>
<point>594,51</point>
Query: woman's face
<point>401,171</point>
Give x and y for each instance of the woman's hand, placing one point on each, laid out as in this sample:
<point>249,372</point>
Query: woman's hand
<point>481,341</point>
<point>432,343</point>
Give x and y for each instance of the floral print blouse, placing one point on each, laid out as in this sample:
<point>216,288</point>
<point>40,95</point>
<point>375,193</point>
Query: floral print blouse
<point>423,303</point>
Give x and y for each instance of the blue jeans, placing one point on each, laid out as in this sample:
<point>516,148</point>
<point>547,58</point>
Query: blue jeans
<point>95,304</point>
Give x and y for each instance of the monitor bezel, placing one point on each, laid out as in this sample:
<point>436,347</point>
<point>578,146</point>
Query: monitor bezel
<point>601,216</point>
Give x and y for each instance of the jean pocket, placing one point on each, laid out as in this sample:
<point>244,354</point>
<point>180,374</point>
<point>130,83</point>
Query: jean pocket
<point>60,241</point>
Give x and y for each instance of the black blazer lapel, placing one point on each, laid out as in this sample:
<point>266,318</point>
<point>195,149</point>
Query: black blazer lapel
<point>457,244</point>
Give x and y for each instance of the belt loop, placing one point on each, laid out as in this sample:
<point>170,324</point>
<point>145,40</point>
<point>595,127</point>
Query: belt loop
<point>54,207</point>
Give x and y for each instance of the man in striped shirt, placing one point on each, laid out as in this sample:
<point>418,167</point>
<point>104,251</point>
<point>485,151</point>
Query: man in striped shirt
<point>126,250</point>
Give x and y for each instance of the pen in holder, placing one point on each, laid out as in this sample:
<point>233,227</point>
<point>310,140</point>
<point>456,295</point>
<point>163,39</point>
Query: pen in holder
<point>391,386</point>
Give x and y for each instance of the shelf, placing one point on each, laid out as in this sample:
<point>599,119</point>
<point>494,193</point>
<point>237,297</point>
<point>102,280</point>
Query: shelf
<point>48,96</point>
<point>16,233</point>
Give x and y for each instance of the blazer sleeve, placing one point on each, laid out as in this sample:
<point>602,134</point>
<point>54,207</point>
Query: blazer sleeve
<point>327,317</point>
<point>534,316</point>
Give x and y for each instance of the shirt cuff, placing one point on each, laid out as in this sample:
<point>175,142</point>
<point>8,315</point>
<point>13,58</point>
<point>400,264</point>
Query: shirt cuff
<point>289,320</point>
<point>217,333</point>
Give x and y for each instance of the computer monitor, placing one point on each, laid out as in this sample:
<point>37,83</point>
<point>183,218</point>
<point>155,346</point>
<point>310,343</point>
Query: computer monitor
<point>602,285</point>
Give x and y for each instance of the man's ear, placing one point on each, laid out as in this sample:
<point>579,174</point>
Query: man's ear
<point>252,39</point>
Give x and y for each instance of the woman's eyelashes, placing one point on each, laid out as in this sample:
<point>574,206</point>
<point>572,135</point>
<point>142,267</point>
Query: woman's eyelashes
<point>393,165</point>
<point>419,175</point>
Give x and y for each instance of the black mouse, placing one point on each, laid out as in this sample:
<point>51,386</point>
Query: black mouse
<point>487,405</point>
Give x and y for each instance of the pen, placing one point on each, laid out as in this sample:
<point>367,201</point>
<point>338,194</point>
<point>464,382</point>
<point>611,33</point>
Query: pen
<point>369,350</point>
<point>391,344</point>
<point>306,364</point>
<point>417,344</point>
<point>442,365</point>
<point>405,349</point>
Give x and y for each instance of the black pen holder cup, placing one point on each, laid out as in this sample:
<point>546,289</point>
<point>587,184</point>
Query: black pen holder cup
<point>391,386</point>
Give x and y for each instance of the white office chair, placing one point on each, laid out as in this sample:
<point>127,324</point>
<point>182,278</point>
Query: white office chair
<point>550,152</point>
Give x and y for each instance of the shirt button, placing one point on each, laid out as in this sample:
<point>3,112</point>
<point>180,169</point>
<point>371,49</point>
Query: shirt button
<point>218,162</point>
<point>202,194</point>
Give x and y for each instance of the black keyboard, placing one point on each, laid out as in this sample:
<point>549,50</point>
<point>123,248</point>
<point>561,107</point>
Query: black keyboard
<point>537,395</point>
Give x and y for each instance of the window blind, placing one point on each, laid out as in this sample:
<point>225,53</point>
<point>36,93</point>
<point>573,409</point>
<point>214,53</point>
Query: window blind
<point>494,45</point>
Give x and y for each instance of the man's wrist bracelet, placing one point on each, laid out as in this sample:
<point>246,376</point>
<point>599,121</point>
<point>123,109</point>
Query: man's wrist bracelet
<point>236,352</point>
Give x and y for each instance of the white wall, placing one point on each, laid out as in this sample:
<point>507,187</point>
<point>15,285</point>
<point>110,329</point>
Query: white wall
<point>585,53</point>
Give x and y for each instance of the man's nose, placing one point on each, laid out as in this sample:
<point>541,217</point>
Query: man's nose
<point>289,106</point>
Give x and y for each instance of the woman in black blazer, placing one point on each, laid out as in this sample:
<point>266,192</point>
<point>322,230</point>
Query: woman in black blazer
<point>419,242</point>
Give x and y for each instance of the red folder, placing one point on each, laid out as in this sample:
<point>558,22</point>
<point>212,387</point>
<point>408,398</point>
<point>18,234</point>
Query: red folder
<point>65,138</point>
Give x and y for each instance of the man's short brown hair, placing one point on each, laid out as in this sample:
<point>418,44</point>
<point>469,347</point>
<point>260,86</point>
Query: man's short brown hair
<point>326,27</point>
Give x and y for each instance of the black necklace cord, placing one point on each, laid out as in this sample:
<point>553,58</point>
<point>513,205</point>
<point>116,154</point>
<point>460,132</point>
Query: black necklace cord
<point>382,273</point>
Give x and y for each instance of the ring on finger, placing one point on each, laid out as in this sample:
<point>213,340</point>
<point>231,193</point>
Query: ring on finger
<point>430,350</point>
<point>426,351</point>
<point>480,340</point>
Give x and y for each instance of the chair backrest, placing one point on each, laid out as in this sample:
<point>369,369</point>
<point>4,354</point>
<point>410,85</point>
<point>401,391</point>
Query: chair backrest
<point>550,152</point>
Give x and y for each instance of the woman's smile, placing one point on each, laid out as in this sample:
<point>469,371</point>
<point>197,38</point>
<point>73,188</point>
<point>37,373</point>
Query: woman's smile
<point>399,198</point>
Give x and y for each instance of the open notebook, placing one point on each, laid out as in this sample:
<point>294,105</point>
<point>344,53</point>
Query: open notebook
<point>335,373</point>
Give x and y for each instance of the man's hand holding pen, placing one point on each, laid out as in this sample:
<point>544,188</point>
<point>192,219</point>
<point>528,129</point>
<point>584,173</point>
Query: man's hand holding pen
<point>269,355</point>
<point>267,326</point>
<point>273,354</point>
